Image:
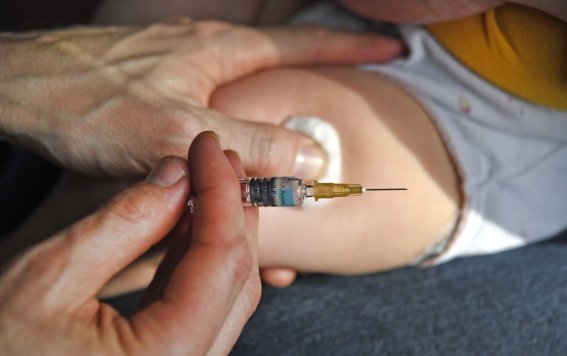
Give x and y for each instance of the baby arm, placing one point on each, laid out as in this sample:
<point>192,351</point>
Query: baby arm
<point>386,139</point>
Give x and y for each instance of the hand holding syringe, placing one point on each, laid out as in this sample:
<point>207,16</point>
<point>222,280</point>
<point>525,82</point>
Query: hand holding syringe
<point>291,191</point>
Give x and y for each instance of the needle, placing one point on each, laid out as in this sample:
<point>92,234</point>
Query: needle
<point>382,189</point>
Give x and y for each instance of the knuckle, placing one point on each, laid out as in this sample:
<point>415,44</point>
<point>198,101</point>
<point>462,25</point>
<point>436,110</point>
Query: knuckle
<point>131,207</point>
<point>313,39</point>
<point>313,33</point>
<point>240,261</point>
<point>263,148</point>
<point>190,122</point>
<point>180,129</point>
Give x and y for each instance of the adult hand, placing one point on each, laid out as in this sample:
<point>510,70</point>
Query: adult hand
<point>112,101</point>
<point>200,298</point>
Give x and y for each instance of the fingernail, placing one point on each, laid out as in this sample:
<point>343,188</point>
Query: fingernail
<point>167,172</point>
<point>214,135</point>
<point>310,161</point>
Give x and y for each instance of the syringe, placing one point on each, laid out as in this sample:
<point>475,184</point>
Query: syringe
<point>291,191</point>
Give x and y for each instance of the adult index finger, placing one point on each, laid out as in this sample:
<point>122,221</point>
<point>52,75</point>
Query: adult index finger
<point>253,49</point>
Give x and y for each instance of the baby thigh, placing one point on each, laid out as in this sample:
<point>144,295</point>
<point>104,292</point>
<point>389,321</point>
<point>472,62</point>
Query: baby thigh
<point>387,140</point>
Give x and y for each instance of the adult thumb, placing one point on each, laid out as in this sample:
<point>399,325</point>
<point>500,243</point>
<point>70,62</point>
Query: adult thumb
<point>103,243</point>
<point>270,150</point>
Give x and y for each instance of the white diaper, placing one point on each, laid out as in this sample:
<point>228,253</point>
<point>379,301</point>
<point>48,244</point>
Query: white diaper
<point>511,154</point>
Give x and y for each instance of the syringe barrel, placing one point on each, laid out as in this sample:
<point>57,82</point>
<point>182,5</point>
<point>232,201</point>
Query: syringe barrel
<point>272,191</point>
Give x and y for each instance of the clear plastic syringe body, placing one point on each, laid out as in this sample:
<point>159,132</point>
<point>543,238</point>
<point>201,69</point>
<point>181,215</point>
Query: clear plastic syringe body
<point>272,191</point>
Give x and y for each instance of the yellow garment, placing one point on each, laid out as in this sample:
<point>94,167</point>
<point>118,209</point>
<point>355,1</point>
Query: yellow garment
<point>519,49</point>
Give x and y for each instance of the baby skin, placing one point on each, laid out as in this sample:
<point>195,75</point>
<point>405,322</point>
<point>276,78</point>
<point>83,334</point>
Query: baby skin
<point>387,140</point>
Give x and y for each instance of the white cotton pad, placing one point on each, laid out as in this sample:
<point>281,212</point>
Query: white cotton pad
<point>327,137</point>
